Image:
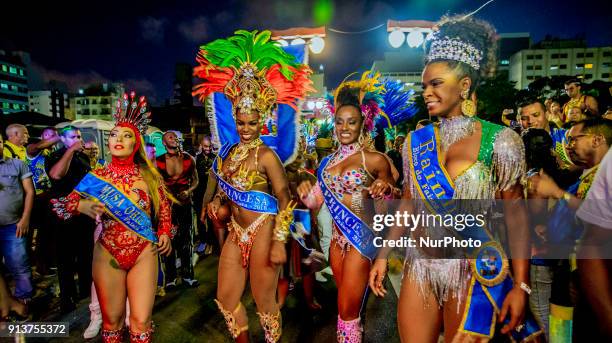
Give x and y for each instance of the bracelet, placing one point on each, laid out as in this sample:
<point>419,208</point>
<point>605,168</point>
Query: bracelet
<point>525,288</point>
<point>284,219</point>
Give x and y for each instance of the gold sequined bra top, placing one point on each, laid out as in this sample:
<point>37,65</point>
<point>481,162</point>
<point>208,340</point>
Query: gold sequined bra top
<point>237,174</point>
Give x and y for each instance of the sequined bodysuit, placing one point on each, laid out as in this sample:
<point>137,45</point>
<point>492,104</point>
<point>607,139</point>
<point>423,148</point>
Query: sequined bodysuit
<point>499,165</point>
<point>121,242</point>
<point>350,183</point>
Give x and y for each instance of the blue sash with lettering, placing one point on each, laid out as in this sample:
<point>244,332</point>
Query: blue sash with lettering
<point>491,280</point>
<point>118,205</point>
<point>353,228</point>
<point>255,201</point>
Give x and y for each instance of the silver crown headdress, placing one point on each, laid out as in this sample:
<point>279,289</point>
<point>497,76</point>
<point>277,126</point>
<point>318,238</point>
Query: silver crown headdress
<point>454,49</point>
<point>132,112</point>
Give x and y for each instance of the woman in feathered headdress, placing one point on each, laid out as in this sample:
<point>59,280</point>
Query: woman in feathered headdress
<point>255,75</point>
<point>466,290</point>
<point>128,199</point>
<point>346,179</point>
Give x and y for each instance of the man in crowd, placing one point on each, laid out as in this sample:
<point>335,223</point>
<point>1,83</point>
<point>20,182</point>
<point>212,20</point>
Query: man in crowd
<point>181,178</point>
<point>92,150</point>
<point>204,159</point>
<point>16,201</point>
<point>66,167</point>
<point>532,114</point>
<point>151,152</point>
<point>17,137</point>
<point>586,103</point>
<point>42,216</point>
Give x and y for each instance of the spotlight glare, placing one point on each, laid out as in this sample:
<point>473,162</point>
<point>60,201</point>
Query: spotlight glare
<point>317,44</point>
<point>396,38</point>
<point>298,41</point>
<point>414,39</point>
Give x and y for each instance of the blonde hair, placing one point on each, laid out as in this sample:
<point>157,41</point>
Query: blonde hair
<point>152,178</point>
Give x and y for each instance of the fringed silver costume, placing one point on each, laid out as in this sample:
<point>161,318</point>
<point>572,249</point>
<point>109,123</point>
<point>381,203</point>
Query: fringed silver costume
<point>500,164</point>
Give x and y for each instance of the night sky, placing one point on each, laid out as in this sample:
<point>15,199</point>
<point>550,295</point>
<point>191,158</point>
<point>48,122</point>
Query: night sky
<point>100,41</point>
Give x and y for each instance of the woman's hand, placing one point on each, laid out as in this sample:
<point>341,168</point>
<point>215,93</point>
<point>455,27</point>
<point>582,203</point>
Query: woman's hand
<point>514,304</point>
<point>278,254</point>
<point>164,247</point>
<point>213,207</point>
<point>380,188</point>
<point>304,189</point>
<point>90,208</point>
<point>377,275</point>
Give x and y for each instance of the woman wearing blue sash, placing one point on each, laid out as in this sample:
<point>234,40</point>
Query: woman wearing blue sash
<point>461,157</point>
<point>255,75</point>
<point>128,199</point>
<point>346,179</point>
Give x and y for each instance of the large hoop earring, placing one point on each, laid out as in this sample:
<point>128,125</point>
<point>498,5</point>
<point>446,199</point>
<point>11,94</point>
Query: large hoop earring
<point>468,107</point>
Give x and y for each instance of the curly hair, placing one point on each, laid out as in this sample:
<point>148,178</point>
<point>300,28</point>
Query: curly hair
<point>348,96</point>
<point>476,32</point>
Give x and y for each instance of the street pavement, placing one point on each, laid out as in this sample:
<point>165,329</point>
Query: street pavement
<point>190,315</point>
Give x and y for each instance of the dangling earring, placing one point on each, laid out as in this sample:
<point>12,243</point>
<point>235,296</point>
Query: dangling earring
<point>468,107</point>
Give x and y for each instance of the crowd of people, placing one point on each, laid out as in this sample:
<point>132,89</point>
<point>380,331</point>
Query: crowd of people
<point>129,228</point>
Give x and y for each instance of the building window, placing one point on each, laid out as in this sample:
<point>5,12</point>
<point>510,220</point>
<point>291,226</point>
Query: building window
<point>505,62</point>
<point>580,66</point>
<point>529,67</point>
<point>15,106</point>
<point>529,57</point>
<point>554,67</point>
<point>580,55</point>
<point>605,75</point>
<point>563,66</point>
<point>538,67</point>
<point>3,86</point>
<point>94,102</point>
<point>589,54</point>
<point>5,105</point>
<point>607,53</point>
<point>94,112</point>
<point>530,77</point>
<point>588,66</point>
<point>564,55</point>
<point>21,72</point>
<point>14,88</point>
<point>554,56</point>
<point>588,76</point>
<point>605,65</point>
<point>12,70</point>
<point>538,57</point>
<point>4,68</point>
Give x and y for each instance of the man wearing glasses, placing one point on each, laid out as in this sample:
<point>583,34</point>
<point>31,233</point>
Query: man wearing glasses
<point>587,103</point>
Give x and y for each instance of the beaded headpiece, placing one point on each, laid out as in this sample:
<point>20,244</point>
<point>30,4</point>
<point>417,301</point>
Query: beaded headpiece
<point>454,49</point>
<point>253,72</point>
<point>132,112</point>
<point>368,91</point>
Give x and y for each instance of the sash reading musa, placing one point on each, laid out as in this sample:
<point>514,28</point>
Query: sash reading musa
<point>118,205</point>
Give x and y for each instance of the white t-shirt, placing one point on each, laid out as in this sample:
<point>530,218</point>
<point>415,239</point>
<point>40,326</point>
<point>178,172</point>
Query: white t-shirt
<point>596,209</point>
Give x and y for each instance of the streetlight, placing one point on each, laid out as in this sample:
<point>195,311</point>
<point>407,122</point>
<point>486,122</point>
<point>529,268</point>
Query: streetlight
<point>410,31</point>
<point>396,38</point>
<point>298,41</point>
<point>317,44</point>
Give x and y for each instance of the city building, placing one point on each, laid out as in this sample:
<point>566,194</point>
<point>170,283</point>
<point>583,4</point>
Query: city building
<point>96,101</point>
<point>183,85</point>
<point>556,57</point>
<point>13,81</point>
<point>52,103</point>
<point>507,45</point>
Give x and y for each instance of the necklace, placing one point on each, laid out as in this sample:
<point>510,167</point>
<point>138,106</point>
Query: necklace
<point>344,152</point>
<point>240,153</point>
<point>454,129</point>
<point>121,174</point>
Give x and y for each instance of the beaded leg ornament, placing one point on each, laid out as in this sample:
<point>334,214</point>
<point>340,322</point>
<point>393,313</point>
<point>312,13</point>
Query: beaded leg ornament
<point>142,337</point>
<point>232,325</point>
<point>349,331</point>
<point>113,336</point>
<point>272,325</point>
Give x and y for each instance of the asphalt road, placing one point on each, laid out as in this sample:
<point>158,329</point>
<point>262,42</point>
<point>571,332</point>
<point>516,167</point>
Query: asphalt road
<point>190,315</point>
